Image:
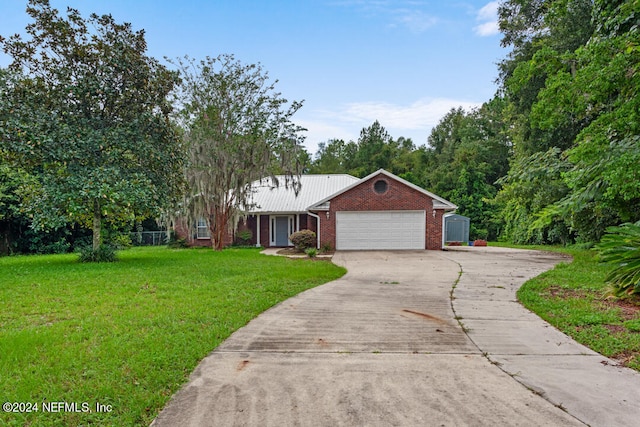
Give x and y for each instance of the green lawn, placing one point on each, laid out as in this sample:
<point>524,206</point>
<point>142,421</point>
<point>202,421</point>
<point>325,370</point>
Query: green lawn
<point>574,298</point>
<point>128,334</point>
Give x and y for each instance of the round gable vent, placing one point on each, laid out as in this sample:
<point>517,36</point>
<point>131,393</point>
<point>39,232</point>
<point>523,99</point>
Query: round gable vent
<point>380,186</point>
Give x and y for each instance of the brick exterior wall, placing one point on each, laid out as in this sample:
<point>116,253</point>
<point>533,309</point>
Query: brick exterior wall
<point>181,230</point>
<point>264,231</point>
<point>397,196</point>
<point>363,197</point>
<point>250,223</point>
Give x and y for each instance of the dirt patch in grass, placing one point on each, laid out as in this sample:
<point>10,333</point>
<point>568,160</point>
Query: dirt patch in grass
<point>628,312</point>
<point>615,329</point>
<point>629,309</point>
<point>565,293</point>
<point>626,358</point>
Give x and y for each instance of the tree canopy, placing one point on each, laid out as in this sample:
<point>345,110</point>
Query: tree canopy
<point>86,112</point>
<point>553,157</point>
<point>237,129</point>
<point>572,85</point>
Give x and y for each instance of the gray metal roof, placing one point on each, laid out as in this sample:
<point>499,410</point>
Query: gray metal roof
<point>270,199</point>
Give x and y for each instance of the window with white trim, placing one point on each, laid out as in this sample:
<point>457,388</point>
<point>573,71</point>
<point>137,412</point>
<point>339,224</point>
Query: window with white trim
<point>202,229</point>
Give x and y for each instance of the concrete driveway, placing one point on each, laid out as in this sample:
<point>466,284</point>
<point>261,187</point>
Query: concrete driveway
<point>383,346</point>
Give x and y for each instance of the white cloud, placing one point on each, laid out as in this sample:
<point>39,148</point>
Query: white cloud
<point>413,121</point>
<point>487,29</point>
<point>489,11</point>
<point>488,18</point>
<point>319,130</point>
<point>418,115</point>
<point>415,20</point>
<point>400,13</point>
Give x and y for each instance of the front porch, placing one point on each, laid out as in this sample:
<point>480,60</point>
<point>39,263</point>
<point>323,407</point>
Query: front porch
<point>273,230</point>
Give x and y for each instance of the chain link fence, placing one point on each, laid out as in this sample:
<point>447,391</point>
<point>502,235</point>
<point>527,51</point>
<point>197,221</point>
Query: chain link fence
<point>149,238</point>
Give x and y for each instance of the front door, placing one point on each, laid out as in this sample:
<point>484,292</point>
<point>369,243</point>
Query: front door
<point>280,228</point>
<point>282,231</point>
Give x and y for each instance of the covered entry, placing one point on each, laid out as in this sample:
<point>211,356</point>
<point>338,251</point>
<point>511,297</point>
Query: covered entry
<point>364,230</point>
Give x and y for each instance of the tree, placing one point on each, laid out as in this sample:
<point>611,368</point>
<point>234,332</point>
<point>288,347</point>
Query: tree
<point>586,107</point>
<point>532,184</point>
<point>375,150</point>
<point>334,156</point>
<point>238,129</point>
<point>543,35</point>
<point>468,154</point>
<point>10,181</point>
<point>88,115</point>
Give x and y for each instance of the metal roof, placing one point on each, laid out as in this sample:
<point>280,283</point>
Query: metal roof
<point>270,199</point>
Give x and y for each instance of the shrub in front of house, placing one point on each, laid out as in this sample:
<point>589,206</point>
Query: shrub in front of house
<point>243,238</point>
<point>326,248</point>
<point>303,239</point>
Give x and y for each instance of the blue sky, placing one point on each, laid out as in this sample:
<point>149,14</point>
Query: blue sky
<point>404,63</point>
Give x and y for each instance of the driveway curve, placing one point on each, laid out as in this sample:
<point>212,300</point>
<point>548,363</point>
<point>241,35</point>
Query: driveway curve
<point>384,346</point>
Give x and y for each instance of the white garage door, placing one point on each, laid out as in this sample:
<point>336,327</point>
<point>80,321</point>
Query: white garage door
<point>380,230</point>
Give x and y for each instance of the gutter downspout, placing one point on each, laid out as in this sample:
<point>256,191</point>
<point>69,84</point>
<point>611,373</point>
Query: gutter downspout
<point>442,243</point>
<point>318,228</point>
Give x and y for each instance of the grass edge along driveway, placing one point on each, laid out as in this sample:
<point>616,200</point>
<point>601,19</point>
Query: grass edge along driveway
<point>574,298</point>
<point>109,344</point>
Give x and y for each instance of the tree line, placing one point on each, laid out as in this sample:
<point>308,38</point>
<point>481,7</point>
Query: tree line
<point>96,135</point>
<point>554,156</point>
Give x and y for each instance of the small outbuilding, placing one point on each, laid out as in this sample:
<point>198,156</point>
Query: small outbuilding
<point>456,228</point>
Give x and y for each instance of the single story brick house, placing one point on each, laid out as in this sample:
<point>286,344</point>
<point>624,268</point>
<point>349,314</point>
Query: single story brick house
<point>379,211</point>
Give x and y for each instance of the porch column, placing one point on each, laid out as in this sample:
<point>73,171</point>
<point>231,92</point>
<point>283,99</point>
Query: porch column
<point>258,231</point>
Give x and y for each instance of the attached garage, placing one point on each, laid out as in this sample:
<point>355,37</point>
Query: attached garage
<point>362,230</point>
<point>380,212</point>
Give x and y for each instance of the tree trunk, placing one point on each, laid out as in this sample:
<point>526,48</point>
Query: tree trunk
<point>97,224</point>
<point>218,225</point>
<point>4,239</point>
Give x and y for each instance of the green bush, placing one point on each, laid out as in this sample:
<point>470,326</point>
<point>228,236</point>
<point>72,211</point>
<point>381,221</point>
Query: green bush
<point>620,248</point>
<point>176,242</point>
<point>59,247</point>
<point>121,241</point>
<point>303,239</point>
<point>311,252</point>
<point>105,253</point>
<point>244,237</point>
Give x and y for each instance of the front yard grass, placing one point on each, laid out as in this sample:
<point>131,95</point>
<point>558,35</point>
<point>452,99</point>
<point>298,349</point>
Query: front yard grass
<point>574,298</point>
<point>127,335</point>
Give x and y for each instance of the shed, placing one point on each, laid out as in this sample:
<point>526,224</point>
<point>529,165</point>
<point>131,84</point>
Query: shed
<point>456,228</point>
